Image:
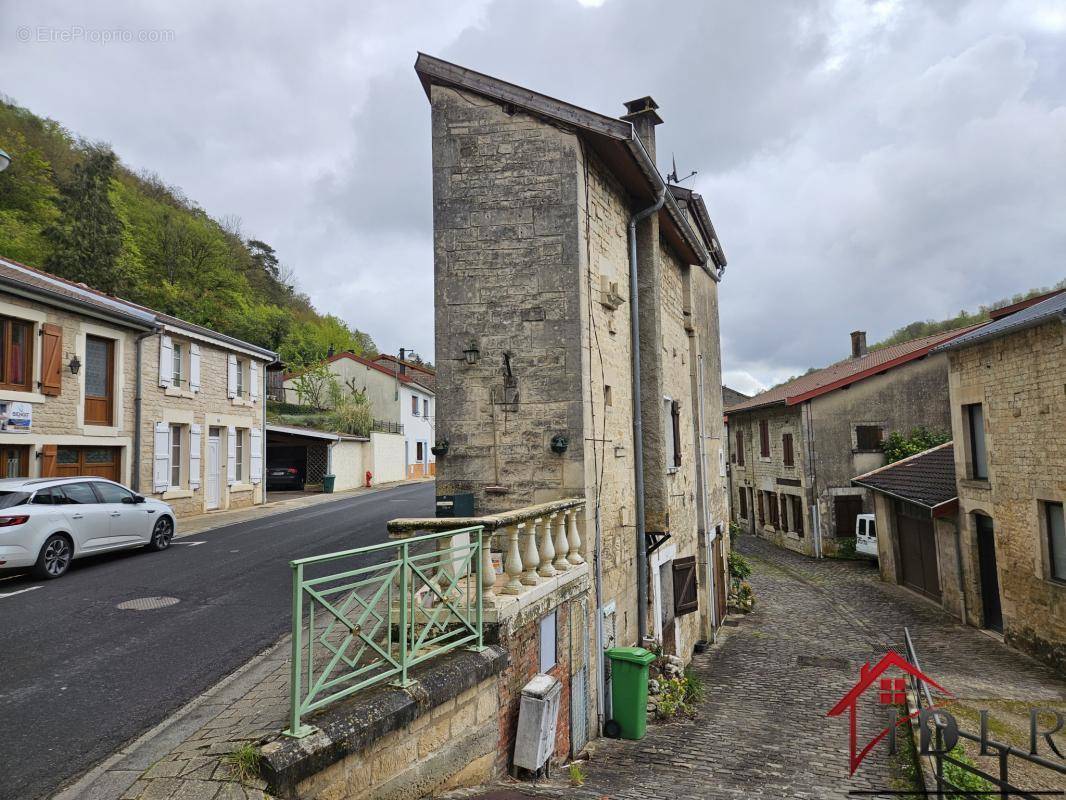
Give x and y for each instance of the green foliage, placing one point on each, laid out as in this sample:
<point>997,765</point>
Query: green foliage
<point>694,689</point>
<point>897,446</point>
<point>577,773</point>
<point>678,697</point>
<point>72,208</point>
<point>961,778</point>
<point>846,547</point>
<point>243,763</point>
<point>353,416</point>
<point>739,568</point>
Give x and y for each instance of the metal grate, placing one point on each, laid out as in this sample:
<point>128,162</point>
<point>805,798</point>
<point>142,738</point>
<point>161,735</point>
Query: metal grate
<point>148,603</point>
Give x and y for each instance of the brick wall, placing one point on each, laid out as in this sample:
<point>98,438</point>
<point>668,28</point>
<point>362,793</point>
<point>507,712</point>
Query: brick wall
<point>1020,380</point>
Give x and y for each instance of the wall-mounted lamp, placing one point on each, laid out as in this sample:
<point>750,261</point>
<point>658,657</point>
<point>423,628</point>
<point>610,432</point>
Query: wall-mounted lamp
<point>559,443</point>
<point>75,365</point>
<point>472,354</point>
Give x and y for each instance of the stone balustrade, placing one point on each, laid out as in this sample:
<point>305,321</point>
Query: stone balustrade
<point>537,543</point>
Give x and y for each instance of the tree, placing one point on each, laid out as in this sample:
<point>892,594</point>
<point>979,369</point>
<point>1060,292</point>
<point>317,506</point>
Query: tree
<point>897,446</point>
<point>87,237</point>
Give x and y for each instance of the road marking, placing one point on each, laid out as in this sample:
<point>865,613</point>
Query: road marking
<point>191,544</point>
<point>20,591</point>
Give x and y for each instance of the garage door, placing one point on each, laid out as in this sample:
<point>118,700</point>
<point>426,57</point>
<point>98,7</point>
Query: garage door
<point>917,547</point>
<point>68,462</point>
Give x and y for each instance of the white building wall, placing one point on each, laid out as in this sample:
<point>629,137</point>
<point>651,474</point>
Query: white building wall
<point>386,458</point>
<point>418,430</point>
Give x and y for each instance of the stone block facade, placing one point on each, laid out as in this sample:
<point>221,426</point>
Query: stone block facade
<point>1020,382</point>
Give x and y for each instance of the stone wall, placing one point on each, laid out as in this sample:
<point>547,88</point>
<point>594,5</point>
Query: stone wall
<point>1019,380</point>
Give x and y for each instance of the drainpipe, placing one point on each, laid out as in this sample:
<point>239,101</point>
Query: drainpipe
<point>135,461</point>
<point>263,439</point>
<point>638,427</point>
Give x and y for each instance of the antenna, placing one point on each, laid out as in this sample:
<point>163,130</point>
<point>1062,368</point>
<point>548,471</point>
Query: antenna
<point>672,177</point>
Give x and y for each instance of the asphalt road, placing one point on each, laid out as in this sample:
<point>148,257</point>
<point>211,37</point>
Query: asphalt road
<point>80,677</point>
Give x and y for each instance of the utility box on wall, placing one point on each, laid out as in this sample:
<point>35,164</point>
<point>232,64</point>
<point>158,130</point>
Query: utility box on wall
<point>455,505</point>
<point>538,719</point>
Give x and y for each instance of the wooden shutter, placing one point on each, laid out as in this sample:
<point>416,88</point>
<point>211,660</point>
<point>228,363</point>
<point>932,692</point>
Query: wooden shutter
<point>51,359</point>
<point>740,448</point>
<point>194,368</point>
<point>742,504</point>
<point>166,361</point>
<point>231,455</point>
<point>161,461</point>
<point>762,514</point>
<point>797,515</point>
<point>786,447</point>
<point>253,380</point>
<point>195,432</point>
<point>764,438</point>
<point>783,502</point>
<point>686,598</point>
<point>255,459</point>
<point>48,460</point>
<point>675,421</point>
<point>232,373</point>
<point>771,501</point>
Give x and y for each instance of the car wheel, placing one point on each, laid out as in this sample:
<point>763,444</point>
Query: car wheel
<point>162,534</point>
<point>55,557</point>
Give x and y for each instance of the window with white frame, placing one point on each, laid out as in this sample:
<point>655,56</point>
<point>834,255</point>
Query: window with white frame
<point>414,405</point>
<point>175,455</point>
<point>238,467</point>
<point>240,377</point>
<point>425,408</point>
<point>177,372</point>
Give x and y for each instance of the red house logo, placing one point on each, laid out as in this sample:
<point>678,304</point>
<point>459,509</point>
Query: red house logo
<point>891,691</point>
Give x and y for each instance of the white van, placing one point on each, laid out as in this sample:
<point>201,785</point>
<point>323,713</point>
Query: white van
<point>866,535</point>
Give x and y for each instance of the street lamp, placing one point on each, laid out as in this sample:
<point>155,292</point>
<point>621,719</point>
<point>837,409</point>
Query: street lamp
<point>5,160</point>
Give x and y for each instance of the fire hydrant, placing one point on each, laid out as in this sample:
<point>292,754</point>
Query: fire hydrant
<point>369,476</point>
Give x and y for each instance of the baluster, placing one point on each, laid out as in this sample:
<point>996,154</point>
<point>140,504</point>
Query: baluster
<point>561,545</point>
<point>574,556</point>
<point>547,551</point>
<point>530,556</point>
<point>512,564</point>
<point>488,574</point>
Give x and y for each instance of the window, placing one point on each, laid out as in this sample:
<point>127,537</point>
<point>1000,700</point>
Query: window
<point>672,422</point>
<point>797,514</point>
<point>975,419</point>
<point>868,437</point>
<point>177,374</point>
<point>16,354</point>
<point>607,396</point>
<point>414,405</point>
<point>175,455</point>
<point>111,493</point>
<point>764,438</point>
<point>686,599</point>
<point>783,502</point>
<point>80,493</point>
<point>425,408</point>
<point>762,512</point>
<point>786,449</point>
<point>1056,533</point>
<point>240,378</point>
<point>238,467</point>
<point>99,380</point>
<point>771,501</point>
<point>742,504</point>
<point>548,646</point>
<point>740,448</point>
<point>16,461</point>
<point>419,452</point>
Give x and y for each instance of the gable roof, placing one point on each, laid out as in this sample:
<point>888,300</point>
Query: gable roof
<point>614,140</point>
<point>846,372</point>
<point>21,278</point>
<point>926,479</point>
<point>1047,310</point>
<point>419,373</point>
<point>731,397</point>
<point>366,362</point>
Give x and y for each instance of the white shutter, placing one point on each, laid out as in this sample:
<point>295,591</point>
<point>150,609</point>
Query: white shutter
<point>194,368</point>
<point>257,454</point>
<point>253,380</point>
<point>232,371</point>
<point>194,456</point>
<point>161,462</point>
<point>231,455</point>
<point>166,361</point>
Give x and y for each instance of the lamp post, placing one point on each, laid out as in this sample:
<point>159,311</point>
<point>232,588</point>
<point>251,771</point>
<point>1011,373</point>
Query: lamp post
<point>5,160</point>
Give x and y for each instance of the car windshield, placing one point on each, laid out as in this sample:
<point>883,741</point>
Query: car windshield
<point>11,499</point>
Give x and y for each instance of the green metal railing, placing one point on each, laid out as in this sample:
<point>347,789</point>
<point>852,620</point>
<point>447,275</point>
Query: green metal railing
<point>397,604</point>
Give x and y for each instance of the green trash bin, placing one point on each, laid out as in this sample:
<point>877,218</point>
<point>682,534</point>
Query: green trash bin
<point>327,483</point>
<point>629,689</point>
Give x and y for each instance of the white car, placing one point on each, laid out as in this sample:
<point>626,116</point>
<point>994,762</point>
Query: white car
<point>866,535</point>
<point>45,523</point>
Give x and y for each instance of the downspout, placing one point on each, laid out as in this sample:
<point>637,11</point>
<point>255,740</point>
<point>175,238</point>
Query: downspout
<point>135,461</point>
<point>263,438</point>
<point>638,427</point>
<point>815,514</point>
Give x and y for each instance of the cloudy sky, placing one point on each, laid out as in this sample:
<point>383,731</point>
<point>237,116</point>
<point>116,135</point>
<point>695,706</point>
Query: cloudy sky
<point>866,163</point>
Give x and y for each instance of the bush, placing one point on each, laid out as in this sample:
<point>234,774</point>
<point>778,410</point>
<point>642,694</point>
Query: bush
<point>898,446</point>
<point>739,568</point>
<point>962,779</point>
<point>353,418</point>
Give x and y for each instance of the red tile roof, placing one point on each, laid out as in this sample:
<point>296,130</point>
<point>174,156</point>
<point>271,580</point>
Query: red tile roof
<point>367,363</point>
<point>846,372</point>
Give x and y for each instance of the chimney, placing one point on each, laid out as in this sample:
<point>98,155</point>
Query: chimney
<point>642,114</point>
<point>858,344</point>
<point>403,364</point>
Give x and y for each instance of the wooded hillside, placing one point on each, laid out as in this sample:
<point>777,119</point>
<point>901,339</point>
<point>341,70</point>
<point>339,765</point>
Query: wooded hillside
<point>70,207</point>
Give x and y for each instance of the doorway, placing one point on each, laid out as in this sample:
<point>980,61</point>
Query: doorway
<point>212,479</point>
<point>917,549</point>
<point>986,559</point>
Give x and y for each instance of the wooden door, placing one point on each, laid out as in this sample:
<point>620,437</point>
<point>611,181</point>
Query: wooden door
<point>99,381</point>
<point>917,546</point>
<point>720,579</point>
<point>73,462</point>
<point>846,507</point>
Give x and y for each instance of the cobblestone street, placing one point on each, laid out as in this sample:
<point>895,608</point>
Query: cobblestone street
<point>763,730</point>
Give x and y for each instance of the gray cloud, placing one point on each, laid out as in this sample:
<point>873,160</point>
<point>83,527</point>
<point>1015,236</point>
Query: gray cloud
<point>866,163</point>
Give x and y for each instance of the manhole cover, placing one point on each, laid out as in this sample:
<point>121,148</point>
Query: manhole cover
<point>827,662</point>
<point>148,603</point>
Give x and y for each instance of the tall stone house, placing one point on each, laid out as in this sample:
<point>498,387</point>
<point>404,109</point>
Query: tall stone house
<point>1008,404</point>
<point>532,202</point>
<point>794,449</point>
<point>94,385</point>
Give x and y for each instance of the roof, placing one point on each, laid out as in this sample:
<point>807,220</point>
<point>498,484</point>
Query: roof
<point>614,140</point>
<point>17,277</point>
<point>846,372</point>
<point>366,362</point>
<point>1048,310</point>
<point>925,479</point>
<point>731,396</point>
<point>311,433</point>
<point>1004,311</point>
<point>419,373</point>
